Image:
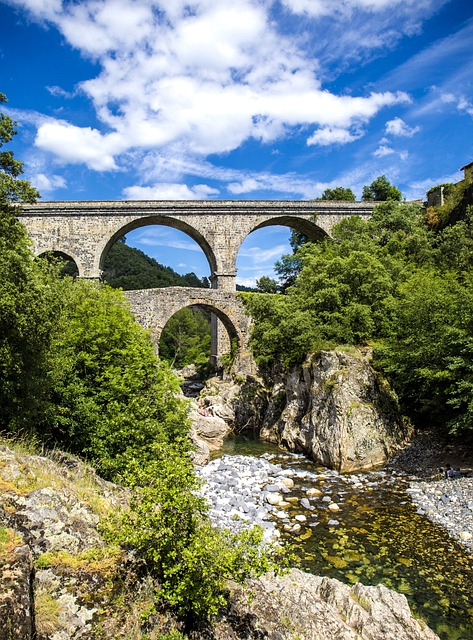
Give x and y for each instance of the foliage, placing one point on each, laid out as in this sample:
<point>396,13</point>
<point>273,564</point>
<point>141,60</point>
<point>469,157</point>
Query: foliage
<point>192,567</point>
<point>381,189</point>
<point>12,188</point>
<point>458,198</point>
<point>338,193</point>
<point>186,338</point>
<point>428,352</point>
<point>27,311</point>
<point>265,284</point>
<point>109,395</point>
<point>393,282</point>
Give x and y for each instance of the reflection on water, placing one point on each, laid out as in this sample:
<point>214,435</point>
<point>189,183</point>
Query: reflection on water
<point>376,536</point>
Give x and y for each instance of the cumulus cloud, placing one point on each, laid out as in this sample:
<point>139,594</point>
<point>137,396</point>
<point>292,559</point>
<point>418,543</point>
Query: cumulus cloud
<point>208,79</point>
<point>47,184</point>
<point>397,127</point>
<point>332,135</point>
<point>167,191</point>
<point>383,150</point>
<point>76,145</point>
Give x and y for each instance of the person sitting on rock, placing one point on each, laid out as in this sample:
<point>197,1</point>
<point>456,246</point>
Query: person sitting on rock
<point>449,473</point>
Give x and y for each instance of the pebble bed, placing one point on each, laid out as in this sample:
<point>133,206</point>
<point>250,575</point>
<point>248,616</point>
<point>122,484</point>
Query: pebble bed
<point>448,503</point>
<point>244,491</point>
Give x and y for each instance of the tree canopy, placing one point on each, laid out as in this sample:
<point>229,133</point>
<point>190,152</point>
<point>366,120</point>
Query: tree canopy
<point>338,193</point>
<point>380,190</point>
<point>392,283</point>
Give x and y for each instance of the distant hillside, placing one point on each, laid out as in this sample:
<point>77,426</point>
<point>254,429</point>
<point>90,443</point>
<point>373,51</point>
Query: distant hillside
<point>130,268</point>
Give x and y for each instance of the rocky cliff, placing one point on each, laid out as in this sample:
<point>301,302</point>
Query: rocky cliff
<point>60,581</point>
<point>337,410</point>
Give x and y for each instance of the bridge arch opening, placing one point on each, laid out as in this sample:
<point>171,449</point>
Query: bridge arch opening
<point>191,239</point>
<point>265,244</point>
<point>190,336</point>
<point>67,264</point>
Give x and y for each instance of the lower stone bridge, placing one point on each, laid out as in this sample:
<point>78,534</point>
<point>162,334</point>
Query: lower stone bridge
<point>153,308</point>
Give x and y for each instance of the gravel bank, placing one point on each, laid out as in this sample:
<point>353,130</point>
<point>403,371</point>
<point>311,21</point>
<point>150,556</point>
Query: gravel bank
<point>448,503</point>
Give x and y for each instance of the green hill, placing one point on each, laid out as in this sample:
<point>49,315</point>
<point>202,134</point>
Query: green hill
<point>130,268</point>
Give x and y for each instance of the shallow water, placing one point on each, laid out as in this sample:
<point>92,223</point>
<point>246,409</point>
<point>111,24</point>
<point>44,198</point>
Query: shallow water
<point>378,537</point>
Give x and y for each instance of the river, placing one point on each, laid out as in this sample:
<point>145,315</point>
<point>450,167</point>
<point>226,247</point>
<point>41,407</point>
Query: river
<point>375,536</point>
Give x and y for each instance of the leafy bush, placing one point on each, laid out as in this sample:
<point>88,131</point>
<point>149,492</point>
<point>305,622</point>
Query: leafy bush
<point>169,527</point>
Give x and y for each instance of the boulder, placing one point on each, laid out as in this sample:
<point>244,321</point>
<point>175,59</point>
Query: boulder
<point>336,410</point>
<point>16,590</point>
<point>209,429</point>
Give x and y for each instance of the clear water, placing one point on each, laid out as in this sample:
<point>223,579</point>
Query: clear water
<point>379,538</point>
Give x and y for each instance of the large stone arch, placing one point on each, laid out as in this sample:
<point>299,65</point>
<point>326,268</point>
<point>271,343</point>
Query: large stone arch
<point>146,221</point>
<point>154,307</point>
<point>309,228</point>
<point>305,225</point>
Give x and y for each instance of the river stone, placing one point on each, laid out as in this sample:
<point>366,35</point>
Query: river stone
<point>300,517</point>
<point>338,411</point>
<point>313,492</point>
<point>287,482</point>
<point>273,498</point>
<point>333,506</point>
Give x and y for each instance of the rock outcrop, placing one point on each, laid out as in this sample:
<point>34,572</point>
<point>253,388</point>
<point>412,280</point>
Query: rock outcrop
<point>301,605</point>
<point>337,410</point>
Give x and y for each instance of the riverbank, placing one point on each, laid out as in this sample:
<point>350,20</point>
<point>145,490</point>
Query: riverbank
<point>447,502</point>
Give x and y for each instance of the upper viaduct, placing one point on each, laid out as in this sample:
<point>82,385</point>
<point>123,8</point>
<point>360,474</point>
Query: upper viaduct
<point>86,230</point>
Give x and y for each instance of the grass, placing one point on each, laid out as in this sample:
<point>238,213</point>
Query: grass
<point>9,539</point>
<point>41,471</point>
<point>47,611</point>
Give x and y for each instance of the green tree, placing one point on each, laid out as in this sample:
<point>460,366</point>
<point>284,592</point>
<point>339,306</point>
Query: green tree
<point>186,338</point>
<point>338,193</point>
<point>12,187</point>
<point>27,307</point>
<point>381,189</point>
<point>110,398</point>
<point>265,284</point>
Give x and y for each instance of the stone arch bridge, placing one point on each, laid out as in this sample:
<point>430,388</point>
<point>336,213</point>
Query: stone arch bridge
<point>86,230</point>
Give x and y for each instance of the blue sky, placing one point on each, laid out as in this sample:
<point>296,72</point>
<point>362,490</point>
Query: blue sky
<point>236,99</point>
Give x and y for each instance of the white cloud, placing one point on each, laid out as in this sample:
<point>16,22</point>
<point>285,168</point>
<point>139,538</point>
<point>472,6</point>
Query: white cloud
<point>207,79</point>
<point>397,127</point>
<point>341,7</point>
<point>47,184</point>
<point>260,256</point>
<point>79,144</point>
<point>383,150</point>
<point>329,135</point>
<point>168,191</point>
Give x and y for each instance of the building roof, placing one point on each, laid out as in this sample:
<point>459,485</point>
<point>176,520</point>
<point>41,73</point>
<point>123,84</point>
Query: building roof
<point>466,166</point>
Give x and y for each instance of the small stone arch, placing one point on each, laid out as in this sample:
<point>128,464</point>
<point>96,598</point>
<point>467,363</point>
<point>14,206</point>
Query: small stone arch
<point>54,253</point>
<point>154,307</point>
<point>146,221</point>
